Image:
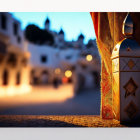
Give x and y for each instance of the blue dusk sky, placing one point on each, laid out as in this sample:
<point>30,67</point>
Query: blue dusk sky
<point>73,23</point>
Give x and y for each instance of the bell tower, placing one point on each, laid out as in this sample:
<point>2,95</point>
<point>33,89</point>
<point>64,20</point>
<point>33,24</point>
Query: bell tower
<point>61,35</point>
<point>47,24</point>
<point>126,75</point>
<point>81,38</point>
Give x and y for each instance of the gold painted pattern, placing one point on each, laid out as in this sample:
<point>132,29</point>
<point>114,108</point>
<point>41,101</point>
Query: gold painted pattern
<point>131,110</point>
<point>130,87</point>
<point>131,64</point>
<point>115,65</point>
<point>116,96</point>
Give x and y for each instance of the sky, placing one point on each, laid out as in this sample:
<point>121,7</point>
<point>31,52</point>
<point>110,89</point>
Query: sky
<point>73,23</point>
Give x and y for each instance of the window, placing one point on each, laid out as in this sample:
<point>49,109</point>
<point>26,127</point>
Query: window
<point>18,78</point>
<point>18,39</point>
<point>5,77</point>
<point>15,28</point>
<point>3,47</point>
<point>43,59</point>
<point>12,59</point>
<point>3,22</point>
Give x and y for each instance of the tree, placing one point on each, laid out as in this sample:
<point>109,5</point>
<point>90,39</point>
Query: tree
<point>38,36</point>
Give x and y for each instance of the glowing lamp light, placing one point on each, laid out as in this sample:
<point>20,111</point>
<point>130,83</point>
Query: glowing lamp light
<point>89,57</point>
<point>68,73</point>
<point>57,71</point>
<point>64,80</point>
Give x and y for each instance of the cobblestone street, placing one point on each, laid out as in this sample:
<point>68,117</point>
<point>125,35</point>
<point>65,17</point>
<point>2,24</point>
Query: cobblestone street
<point>56,121</point>
<point>80,111</point>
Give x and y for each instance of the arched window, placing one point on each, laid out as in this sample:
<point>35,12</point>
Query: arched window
<point>5,77</point>
<point>18,78</point>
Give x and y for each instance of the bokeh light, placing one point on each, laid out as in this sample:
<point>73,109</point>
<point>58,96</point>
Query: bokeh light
<point>89,57</point>
<point>57,71</point>
<point>68,73</point>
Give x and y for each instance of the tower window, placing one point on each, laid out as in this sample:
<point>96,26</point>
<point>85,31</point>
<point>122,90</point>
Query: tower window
<point>3,22</point>
<point>43,59</point>
<point>15,28</point>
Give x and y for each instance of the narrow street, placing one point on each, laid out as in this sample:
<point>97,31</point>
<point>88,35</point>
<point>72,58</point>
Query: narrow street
<point>57,121</point>
<point>50,107</point>
<point>50,101</point>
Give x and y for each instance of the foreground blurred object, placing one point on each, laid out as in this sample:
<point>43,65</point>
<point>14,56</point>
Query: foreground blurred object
<point>108,29</point>
<point>14,57</point>
<point>126,75</point>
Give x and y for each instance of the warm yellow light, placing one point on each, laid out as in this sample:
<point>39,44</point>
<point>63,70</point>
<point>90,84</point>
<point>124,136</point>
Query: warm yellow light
<point>57,71</point>
<point>14,90</point>
<point>68,73</point>
<point>89,57</point>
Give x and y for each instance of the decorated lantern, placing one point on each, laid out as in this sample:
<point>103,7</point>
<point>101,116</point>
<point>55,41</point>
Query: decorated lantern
<point>126,76</point>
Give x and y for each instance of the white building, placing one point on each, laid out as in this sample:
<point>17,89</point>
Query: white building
<point>14,71</point>
<point>23,62</point>
<point>43,61</point>
<point>52,61</point>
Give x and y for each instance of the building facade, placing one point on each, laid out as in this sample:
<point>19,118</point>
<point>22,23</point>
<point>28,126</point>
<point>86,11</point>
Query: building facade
<point>49,62</point>
<point>14,71</point>
<point>24,63</point>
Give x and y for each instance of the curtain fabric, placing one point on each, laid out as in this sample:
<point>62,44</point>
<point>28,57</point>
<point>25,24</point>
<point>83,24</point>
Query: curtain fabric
<point>108,30</point>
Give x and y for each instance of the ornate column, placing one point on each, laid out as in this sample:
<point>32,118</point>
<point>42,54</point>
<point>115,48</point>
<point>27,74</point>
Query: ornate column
<point>126,76</point>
